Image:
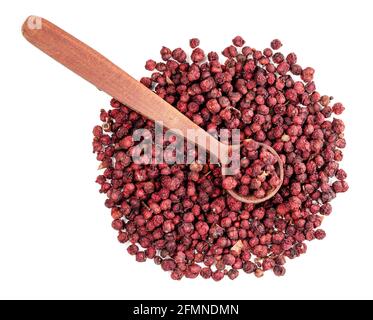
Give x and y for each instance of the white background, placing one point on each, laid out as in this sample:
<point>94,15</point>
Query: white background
<point>56,239</point>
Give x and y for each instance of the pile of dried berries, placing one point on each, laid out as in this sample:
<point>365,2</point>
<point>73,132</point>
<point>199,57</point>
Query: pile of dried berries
<point>181,216</point>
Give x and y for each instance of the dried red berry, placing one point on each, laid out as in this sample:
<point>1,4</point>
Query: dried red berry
<point>238,41</point>
<point>194,43</point>
<point>197,55</point>
<point>276,44</point>
<point>307,74</point>
<point>150,65</point>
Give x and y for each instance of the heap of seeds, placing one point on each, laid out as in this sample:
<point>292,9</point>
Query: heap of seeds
<point>181,216</point>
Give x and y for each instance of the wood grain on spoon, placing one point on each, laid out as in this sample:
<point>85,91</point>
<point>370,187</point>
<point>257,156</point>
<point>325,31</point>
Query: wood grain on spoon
<point>106,76</point>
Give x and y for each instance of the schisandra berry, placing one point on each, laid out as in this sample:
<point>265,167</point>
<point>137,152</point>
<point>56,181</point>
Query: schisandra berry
<point>276,44</point>
<point>229,183</point>
<point>194,43</point>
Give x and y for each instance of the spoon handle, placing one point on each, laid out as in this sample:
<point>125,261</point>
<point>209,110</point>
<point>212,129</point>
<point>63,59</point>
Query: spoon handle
<point>106,76</point>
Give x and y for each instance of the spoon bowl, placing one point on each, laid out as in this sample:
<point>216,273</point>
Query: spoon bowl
<point>270,193</point>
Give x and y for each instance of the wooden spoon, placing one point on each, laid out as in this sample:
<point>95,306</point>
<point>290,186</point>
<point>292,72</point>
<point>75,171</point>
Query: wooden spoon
<point>106,76</point>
